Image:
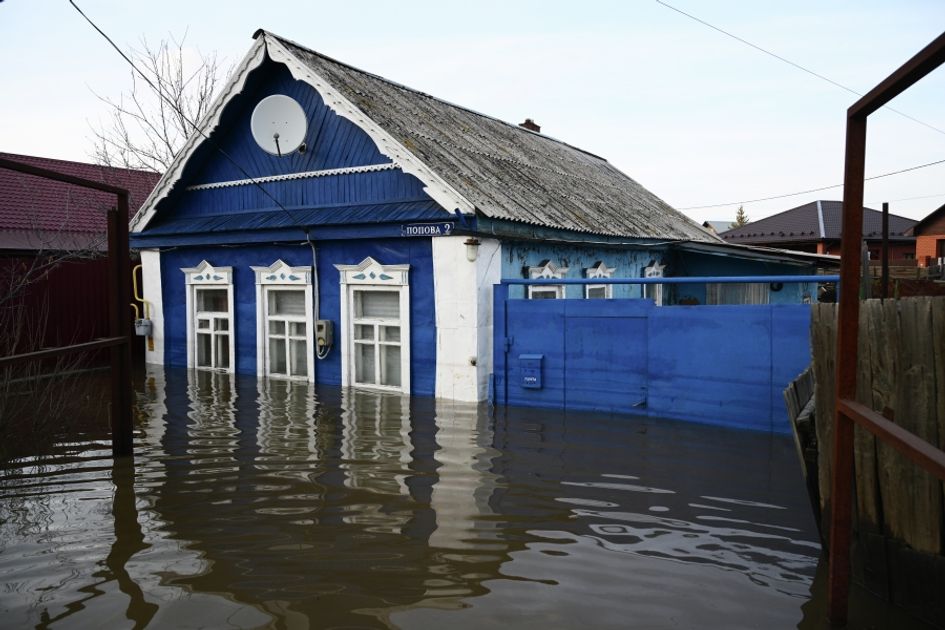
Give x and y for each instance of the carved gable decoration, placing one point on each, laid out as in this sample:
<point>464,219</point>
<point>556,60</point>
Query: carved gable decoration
<point>205,273</point>
<point>281,273</point>
<point>599,270</point>
<point>369,271</point>
<point>546,270</point>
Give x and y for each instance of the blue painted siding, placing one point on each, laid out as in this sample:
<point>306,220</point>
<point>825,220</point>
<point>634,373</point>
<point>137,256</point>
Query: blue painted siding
<point>351,189</point>
<point>415,252</point>
<point>333,141</point>
<point>724,365</point>
<point>628,262</point>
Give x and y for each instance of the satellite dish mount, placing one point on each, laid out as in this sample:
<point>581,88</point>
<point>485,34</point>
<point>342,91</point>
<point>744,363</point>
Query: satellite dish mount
<point>278,125</point>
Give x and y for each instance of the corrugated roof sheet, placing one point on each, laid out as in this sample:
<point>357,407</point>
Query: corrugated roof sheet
<point>38,213</point>
<point>316,215</point>
<point>803,224</point>
<point>506,171</point>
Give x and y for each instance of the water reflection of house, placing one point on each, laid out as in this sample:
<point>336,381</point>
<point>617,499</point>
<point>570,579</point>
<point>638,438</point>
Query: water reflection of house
<point>329,193</point>
<point>316,511</point>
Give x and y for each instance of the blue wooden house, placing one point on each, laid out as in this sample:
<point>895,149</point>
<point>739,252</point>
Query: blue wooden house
<point>331,225</point>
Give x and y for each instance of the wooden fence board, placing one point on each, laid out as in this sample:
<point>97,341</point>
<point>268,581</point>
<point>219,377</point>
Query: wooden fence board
<point>864,444</point>
<point>917,406</point>
<point>824,343</point>
<point>938,356</point>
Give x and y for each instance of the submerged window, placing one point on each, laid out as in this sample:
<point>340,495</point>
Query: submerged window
<point>544,271</point>
<point>375,317</point>
<point>284,312</point>
<point>377,335</point>
<point>737,293</point>
<point>210,341</point>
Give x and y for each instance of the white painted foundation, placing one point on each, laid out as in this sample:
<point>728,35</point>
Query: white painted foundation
<point>151,289</point>
<point>463,301</point>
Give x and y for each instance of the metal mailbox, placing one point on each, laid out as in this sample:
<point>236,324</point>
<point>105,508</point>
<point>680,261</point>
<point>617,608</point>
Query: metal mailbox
<point>531,370</point>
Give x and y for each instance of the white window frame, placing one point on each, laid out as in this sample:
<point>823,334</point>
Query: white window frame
<point>370,275</point>
<point>280,276</point>
<point>654,291</point>
<point>206,276</point>
<point>546,270</point>
<point>599,270</point>
<point>752,292</point>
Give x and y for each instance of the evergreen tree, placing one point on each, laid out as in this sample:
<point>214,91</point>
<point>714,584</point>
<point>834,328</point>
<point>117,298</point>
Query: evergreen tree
<point>740,218</point>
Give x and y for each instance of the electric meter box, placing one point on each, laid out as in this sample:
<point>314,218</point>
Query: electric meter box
<point>323,333</point>
<point>531,370</point>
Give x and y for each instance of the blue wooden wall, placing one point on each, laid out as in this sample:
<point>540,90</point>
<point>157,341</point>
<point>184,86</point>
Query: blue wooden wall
<point>415,252</point>
<point>332,142</point>
<point>627,261</point>
<point>724,365</point>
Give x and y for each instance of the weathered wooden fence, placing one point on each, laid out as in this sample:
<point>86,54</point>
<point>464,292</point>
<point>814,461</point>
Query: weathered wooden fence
<point>899,507</point>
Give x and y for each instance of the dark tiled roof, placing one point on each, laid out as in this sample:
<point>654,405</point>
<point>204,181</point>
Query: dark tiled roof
<point>38,213</point>
<point>815,221</point>
<point>506,171</point>
<point>923,224</point>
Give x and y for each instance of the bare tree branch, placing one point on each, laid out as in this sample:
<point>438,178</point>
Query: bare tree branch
<point>144,130</point>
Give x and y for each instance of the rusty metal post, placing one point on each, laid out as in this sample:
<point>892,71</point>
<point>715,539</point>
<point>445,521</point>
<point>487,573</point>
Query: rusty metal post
<point>119,326</point>
<point>885,281</point>
<point>847,333</point>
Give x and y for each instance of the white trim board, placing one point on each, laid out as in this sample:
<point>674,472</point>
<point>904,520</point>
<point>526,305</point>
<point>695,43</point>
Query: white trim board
<point>350,170</point>
<point>151,291</point>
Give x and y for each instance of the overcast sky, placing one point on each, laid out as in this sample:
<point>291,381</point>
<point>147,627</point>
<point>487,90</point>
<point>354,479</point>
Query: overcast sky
<point>695,116</point>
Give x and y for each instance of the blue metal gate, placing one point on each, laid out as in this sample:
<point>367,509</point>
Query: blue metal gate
<point>724,365</point>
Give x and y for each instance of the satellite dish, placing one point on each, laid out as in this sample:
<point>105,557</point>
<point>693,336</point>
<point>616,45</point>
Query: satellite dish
<point>278,124</point>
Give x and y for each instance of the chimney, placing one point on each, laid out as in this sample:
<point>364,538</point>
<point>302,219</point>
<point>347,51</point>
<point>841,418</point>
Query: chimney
<point>530,125</point>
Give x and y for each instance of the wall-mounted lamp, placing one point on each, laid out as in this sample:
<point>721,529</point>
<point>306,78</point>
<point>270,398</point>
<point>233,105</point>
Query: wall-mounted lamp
<point>472,249</point>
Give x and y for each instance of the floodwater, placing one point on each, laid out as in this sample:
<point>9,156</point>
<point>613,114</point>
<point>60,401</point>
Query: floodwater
<point>279,504</point>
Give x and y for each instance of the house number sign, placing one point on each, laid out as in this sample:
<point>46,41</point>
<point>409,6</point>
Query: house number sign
<point>426,229</point>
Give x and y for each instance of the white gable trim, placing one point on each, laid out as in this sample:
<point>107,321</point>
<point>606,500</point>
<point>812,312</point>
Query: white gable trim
<point>349,170</point>
<point>434,185</point>
<point>437,188</point>
<point>253,59</point>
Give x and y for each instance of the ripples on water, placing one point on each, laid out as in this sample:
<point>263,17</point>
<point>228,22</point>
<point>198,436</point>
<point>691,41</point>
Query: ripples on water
<point>254,504</point>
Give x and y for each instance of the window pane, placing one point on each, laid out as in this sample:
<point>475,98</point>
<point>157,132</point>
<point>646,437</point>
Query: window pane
<point>212,300</point>
<point>544,294</point>
<point>390,366</point>
<point>277,359</point>
<point>299,358</point>
<point>297,329</point>
<point>220,323</point>
<point>276,327</point>
<point>378,304</point>
<point>287,302</point>
<point>223,351</point>
<point>204,342</point>
<point>390,333</point>
<point>364,363</point>
<point>203,324</point>
<point>364,331</point>
<point>596,292</point>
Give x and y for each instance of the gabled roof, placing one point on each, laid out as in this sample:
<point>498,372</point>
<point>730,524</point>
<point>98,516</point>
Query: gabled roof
<point>41,214</point>
<point>468,161</point>
<point>813,222</point>
<point>919,227</point>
